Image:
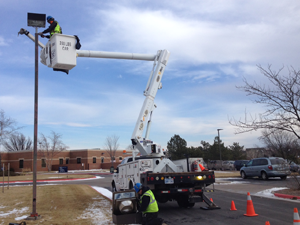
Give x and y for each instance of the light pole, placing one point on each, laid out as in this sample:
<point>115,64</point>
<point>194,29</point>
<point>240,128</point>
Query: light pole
<point>35,20</point>
<point>219,142</point>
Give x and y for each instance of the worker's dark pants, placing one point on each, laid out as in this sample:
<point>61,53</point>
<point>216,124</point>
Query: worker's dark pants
<point>151,219</point>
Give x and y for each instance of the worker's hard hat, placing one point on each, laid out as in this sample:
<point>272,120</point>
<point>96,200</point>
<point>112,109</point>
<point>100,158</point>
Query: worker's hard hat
<point>49,18</point>
<point>137,187</point>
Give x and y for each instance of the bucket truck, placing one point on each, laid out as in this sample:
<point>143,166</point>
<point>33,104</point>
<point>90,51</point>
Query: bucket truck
<point>167,180</point>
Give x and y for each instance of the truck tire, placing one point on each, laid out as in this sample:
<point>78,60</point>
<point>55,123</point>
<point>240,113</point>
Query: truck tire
<point>184,202</point>
<point>161,199</point>
<point>113,187</point>
<point>130,185</point>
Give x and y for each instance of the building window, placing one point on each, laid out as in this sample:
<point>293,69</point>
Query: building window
<point>120,158</point>
<point>43,162</point>
<point>94,159</point>
<point>78,160</point>
<point>67,161</point>
<point>61,161</point>
<point>102,159</point>
<point>21,163</point>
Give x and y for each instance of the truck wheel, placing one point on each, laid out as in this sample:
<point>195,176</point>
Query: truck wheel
<point>113,187</point>
<point>130,185</point>
<point>184,202</point>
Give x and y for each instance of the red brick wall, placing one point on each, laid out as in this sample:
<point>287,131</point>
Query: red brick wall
<point>93,166</point>
<point>70,167</point>
<point>108,165</point>
<point>86,156</point>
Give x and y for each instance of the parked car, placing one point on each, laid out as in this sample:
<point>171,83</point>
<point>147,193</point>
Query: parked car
<point>238,164</point>
<point>228,165</point>
<point>214,164</point>
<point>266,167</point>
<point>294,167</point>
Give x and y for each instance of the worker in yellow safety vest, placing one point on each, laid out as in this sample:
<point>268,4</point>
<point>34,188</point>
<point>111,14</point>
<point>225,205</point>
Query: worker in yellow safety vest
<point>148,205</point>
<point>52,29</point>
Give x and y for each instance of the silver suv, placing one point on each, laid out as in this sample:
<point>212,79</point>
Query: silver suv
<point>265,168</point>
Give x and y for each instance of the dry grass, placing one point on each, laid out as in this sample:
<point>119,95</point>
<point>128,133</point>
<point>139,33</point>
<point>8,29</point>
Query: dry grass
<point>54,176</point>
<point>225,174</point>
<point>57,204</point>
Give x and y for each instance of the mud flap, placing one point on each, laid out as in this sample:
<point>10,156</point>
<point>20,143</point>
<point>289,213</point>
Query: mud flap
<point>211,205</point>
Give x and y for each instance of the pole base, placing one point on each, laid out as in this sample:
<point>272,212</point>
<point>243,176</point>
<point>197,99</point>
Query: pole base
<point>34,217</point>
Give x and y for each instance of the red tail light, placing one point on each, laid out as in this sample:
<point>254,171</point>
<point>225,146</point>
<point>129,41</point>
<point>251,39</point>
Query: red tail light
<point>270,167</point>
<point>183,190</point>
<point>152,178</point>
<point>198,190</point>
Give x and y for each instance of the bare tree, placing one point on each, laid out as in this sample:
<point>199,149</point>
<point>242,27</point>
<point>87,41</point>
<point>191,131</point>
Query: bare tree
<point>17,142</point>
<point>282,144</point>
<point>111,146</point>
<point>7,127</point>
<point>50,146</point>
<point>281,100</point>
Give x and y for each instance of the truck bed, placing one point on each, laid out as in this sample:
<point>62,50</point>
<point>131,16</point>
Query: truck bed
<point>183,173</point>
<point>183,179</point>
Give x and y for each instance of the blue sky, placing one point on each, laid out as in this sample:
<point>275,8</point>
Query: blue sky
<point>213,45</point>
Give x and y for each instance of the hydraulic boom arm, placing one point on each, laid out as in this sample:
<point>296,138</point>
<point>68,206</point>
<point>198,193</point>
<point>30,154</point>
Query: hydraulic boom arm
<point>60,53</point>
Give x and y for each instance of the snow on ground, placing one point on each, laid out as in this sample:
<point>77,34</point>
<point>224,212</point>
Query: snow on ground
<point>103,191</point>
<point>14,211</point>
<point>92,178</point>
<point>233,182</point>
<point>269,192</point>
<point>21,218</point>
<point>98,212</point>
<point>93,170</point>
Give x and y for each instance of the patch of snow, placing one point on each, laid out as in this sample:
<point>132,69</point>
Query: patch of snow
<point>233,182</point>
<point>103,191</point>
<point>98,212</point>
<point>84,179</point>
<point>269,192</point>
<point>14,211</point>
<point>21,218</point>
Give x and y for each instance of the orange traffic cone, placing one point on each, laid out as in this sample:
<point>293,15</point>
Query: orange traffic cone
<point>211,200</point>
<point>267,223</point>
<point>233,206</point>
<point>250,208</point>
<point>201,167</point>
<point>296,217</point>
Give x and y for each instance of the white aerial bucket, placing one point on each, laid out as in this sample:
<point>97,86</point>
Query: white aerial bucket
<point>60,52</point>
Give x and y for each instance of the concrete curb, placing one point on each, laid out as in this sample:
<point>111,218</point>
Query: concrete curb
<point>287,196</point>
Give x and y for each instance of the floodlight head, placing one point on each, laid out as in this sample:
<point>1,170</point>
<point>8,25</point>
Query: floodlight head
<point>36,20</point>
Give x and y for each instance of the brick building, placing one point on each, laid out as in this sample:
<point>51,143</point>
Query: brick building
<point>83,159</point>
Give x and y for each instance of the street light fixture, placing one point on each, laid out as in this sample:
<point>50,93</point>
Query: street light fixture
<point>219,142</point>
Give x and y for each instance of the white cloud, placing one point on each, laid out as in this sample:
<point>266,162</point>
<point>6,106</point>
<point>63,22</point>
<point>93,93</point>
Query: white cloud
<point>3,42</point>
